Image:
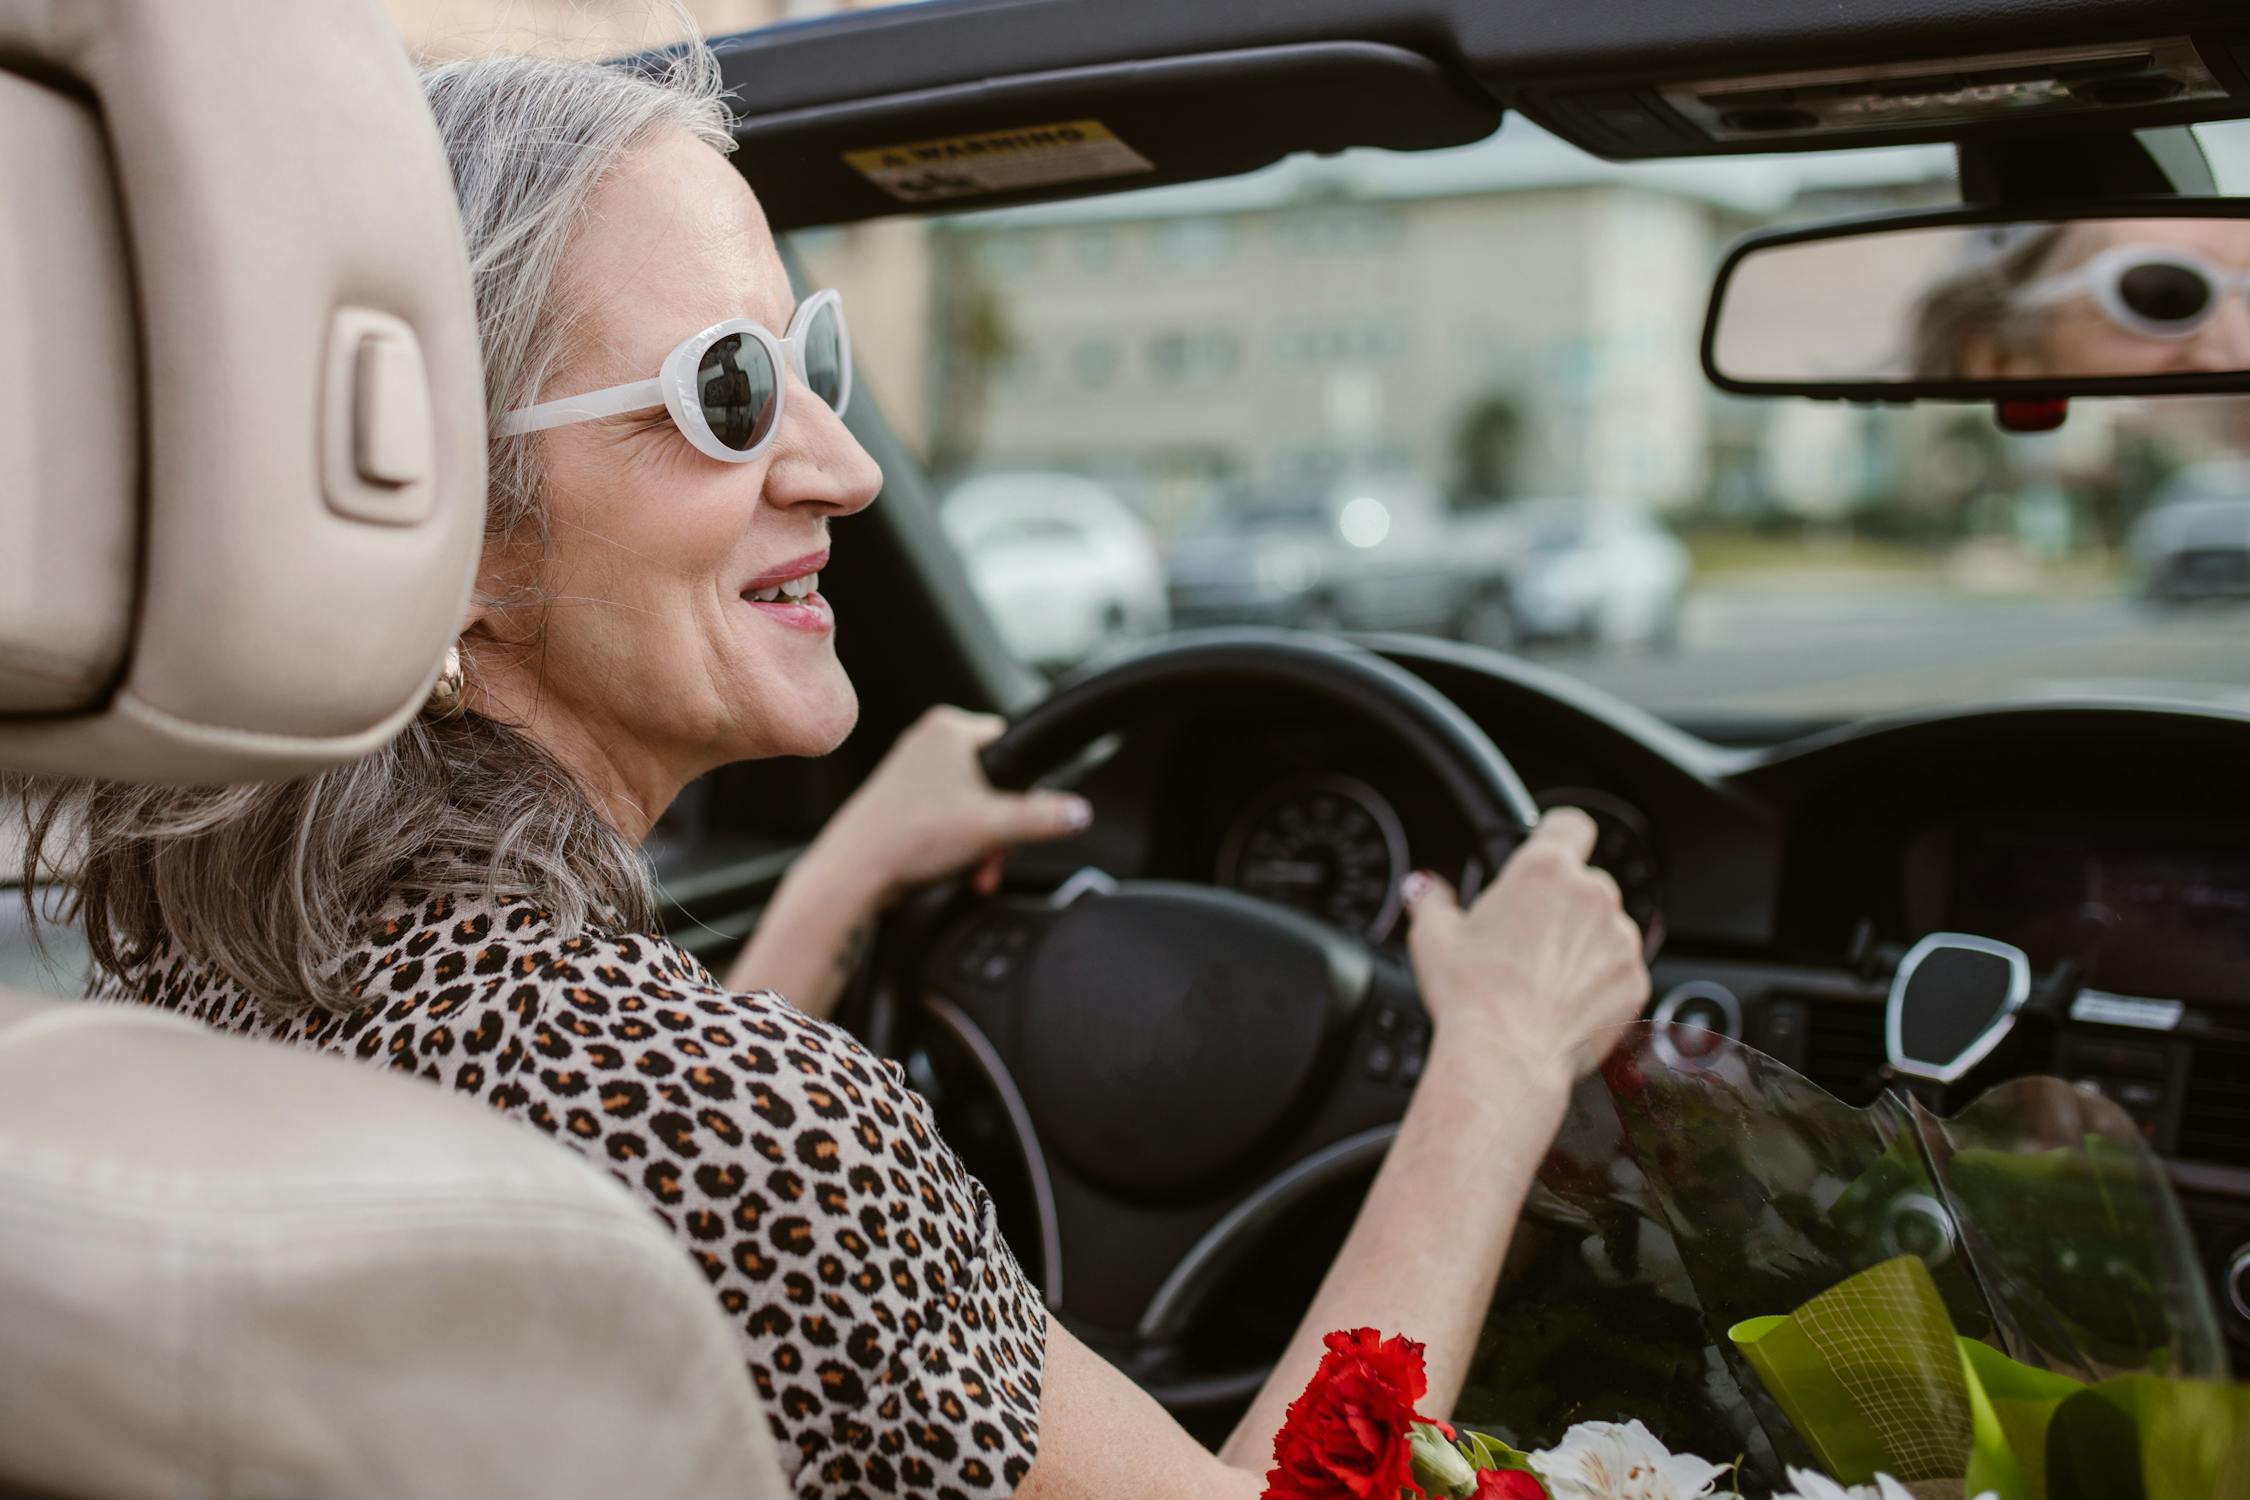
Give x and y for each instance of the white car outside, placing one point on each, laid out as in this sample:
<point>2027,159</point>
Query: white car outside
<point>1604,573</point>
<point>1064,566</point>
<point>2195,541</point>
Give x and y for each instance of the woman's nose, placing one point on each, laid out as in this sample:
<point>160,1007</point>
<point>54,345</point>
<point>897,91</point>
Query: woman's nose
<point>817,462</point>
<point>2224,343</point>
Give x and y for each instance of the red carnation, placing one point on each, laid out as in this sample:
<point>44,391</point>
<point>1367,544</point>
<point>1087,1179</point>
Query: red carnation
<point>1347,1436</point>
<point>1508,1484</point>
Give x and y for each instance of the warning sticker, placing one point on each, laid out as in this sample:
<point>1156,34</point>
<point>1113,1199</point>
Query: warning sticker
<point>997,161</point>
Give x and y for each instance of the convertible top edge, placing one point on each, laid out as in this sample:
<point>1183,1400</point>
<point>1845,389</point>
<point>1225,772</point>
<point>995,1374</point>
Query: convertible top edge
<point>1198,91</point>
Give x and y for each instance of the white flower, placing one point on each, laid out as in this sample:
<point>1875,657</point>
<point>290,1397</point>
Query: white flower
<point>1621,1461</point>
<point>1806,1485</point>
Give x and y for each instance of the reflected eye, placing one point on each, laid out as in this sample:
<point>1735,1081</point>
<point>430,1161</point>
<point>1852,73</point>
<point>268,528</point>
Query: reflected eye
<point>2165,294</point>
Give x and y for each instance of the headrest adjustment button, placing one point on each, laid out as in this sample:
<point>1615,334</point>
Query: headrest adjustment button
<point>390,411</point>
<point>378,445</point>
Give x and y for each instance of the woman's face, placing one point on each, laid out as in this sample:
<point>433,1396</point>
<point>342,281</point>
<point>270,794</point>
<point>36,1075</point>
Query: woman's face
<point>641,661</point>
<point>2077,338</point>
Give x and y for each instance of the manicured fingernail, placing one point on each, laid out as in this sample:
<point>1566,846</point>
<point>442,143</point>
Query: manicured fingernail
<point>1414,887</point>
<point>1076,814</point>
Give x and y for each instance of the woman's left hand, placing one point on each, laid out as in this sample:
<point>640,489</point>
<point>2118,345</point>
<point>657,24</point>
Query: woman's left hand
<point>927,811</point>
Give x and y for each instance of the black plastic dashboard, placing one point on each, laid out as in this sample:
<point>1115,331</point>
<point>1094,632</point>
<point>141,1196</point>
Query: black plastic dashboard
<point>2114,838</point>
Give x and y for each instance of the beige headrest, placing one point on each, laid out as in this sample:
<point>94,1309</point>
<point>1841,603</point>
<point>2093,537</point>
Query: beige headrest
<point>241,411</point>
<point>235,1268</point>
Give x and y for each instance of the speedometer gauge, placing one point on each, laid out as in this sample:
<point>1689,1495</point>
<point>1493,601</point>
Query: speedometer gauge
<point>1624,846</point>
<point>1326,845</point>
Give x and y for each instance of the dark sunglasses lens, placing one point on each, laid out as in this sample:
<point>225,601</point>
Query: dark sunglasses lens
<point>737,384</point>
<point>824,354</point>
<point>2165,294</point>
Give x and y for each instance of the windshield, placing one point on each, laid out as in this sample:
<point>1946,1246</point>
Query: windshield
<point>1457,393</point>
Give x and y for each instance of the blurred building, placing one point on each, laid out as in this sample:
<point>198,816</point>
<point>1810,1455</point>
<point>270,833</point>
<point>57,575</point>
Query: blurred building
<point>1378,311</point>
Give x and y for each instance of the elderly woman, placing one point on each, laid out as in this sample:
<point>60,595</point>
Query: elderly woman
<point>471,903</point>
<point>2102,297</point>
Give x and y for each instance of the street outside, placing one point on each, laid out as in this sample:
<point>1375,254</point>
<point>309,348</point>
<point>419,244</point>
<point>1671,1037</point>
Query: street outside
<point>1809,647</point>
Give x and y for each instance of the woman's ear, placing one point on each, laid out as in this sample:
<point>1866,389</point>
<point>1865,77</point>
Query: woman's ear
<point>507,576</point>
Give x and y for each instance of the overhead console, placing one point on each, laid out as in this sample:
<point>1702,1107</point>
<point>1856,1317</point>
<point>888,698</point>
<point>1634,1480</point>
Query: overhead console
<point>2132,83</point>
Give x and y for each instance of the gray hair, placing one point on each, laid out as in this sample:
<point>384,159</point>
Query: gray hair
<point>1978,299</point>
<point>273,884</point>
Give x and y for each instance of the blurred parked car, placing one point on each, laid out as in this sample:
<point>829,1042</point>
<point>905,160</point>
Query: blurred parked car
<point>1590,572</point>
<point>1064,565</point>
<point>2194,543</point>
<point>1362,554</point>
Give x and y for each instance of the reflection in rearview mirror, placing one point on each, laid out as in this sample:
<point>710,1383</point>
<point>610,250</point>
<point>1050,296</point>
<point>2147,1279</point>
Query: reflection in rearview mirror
<point>1989,305</point>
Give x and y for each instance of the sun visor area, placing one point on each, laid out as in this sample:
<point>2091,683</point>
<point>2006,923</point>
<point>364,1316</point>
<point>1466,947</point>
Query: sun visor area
<point>1077,131</point>
<point>1199,89</point>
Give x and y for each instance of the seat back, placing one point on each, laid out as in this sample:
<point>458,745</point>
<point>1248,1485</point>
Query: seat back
<point>237,1269</point>
<point>241,494</point>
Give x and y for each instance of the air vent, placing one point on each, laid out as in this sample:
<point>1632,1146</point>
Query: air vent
<point>2215,1124</point>
<point>1844,1049</point>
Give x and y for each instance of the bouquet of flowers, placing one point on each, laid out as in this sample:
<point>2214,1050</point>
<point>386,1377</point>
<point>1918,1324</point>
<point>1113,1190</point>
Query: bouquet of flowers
<point>1354,1435</point>
<point>1877,1303</point>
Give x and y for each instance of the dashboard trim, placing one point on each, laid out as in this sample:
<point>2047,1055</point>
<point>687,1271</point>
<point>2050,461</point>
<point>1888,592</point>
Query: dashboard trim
<point>1894,1008</point>
<point>2104,1009</point>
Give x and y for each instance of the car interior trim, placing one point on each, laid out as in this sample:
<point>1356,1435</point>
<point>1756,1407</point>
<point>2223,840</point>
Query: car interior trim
<point>988,1061</point>
<point>1186,117</point>
<point>1894,1018</point>
<point>2101,1009</point>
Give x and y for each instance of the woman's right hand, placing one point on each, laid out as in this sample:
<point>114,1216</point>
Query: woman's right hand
<point>1543,966</point>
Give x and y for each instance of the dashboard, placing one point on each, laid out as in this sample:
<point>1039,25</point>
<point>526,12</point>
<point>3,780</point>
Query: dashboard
<point>1778,887</point>
<point>2159,909</point>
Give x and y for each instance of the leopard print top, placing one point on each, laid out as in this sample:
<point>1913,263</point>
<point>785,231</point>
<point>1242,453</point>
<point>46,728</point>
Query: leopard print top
<point>895,1341</point>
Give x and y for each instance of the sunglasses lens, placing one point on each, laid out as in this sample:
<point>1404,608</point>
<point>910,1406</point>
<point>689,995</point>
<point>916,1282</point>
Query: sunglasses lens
<point>737,384</point>
<point>2165,294</point>
<point>825,355</point>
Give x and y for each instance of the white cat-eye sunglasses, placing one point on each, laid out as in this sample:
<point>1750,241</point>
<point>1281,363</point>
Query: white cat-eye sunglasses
<point>725,386</point>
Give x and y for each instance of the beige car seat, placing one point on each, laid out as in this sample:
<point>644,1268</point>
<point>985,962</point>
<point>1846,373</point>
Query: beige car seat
<point>241,480</point>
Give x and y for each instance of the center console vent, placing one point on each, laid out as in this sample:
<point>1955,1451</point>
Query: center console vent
<point>1844,1050</point>
<point>2215,1117</point>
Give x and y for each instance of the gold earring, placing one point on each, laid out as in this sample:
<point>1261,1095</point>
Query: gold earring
<point>445,693</point>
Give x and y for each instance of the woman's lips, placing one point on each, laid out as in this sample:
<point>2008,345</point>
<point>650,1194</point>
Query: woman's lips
<point>811,562</point>
<point>810,613</point>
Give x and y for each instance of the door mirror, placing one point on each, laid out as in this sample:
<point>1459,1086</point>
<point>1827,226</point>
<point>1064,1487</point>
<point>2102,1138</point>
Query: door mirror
<point>2142,298</point>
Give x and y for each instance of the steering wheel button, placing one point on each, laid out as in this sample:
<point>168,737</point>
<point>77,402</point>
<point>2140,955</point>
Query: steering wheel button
<point>1386,1020</point>
<point>1410,1066</point>
<point>995,968</point>
<point>1382,1060</point>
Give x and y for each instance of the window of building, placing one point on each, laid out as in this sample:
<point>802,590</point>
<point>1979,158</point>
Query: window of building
<point>1202,357</point>
<point>1094,362</point>
<point>1193,241</point>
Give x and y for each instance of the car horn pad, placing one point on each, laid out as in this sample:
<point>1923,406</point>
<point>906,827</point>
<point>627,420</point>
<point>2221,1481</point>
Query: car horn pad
<point>1721,1248</point>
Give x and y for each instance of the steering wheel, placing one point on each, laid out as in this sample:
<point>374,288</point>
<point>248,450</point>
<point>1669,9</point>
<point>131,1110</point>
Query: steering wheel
<point>1182,1063</point>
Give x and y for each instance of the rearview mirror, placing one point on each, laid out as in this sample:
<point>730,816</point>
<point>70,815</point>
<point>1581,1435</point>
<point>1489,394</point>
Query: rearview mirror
<point>2145,297</point>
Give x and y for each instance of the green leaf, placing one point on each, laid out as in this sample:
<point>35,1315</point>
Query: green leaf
<point>1484,1451</point>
